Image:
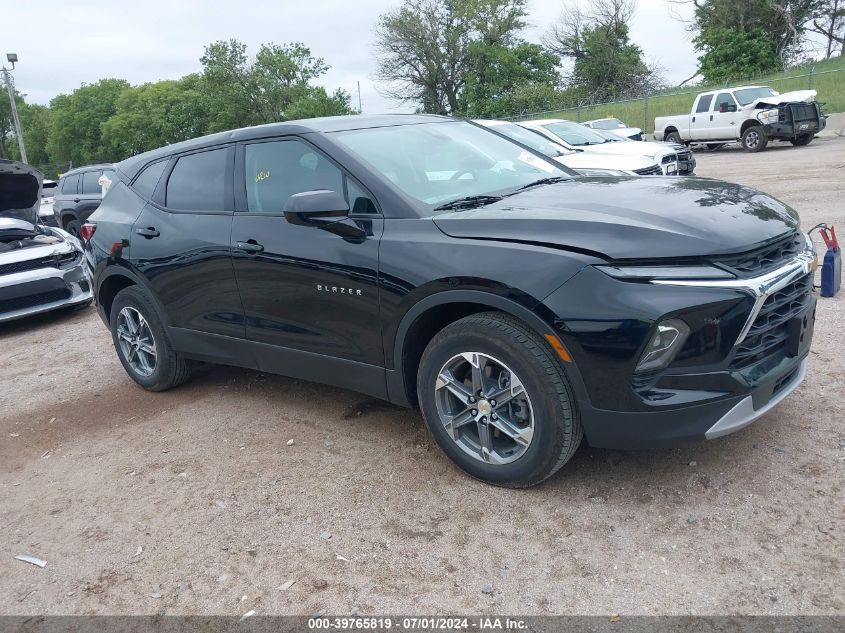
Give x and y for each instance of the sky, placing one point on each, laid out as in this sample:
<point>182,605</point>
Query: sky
<point>62,44</point>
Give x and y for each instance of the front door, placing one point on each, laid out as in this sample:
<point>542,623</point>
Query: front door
<point>724,117</point>
<point>304,288</point>
<point>699,127</point>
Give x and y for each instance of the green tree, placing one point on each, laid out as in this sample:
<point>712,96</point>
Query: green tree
<point>500,73</point>
<point>728,54</point>
<point>275,86</point>
<point>429,51</point>
<point>604,63</point>
<point>156,114</point>
<point>35,125</point>
<point>76,123</point>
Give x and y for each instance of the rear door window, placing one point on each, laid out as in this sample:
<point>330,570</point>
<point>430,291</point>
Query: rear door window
<point>89,182</point>
<point>70,183</point>
<point>704,103</point>
<point>198,182</point>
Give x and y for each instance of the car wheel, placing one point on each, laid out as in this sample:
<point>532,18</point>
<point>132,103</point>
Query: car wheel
<point>142,344</point>
<point>673,137</point>
<point>802,139</point>
<point>754,139</point>
<point>74,228</point>
<point>496,400</point>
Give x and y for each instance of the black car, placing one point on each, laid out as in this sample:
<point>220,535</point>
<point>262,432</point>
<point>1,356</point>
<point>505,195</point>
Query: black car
<point>78,195</point>
<point>432,263</point>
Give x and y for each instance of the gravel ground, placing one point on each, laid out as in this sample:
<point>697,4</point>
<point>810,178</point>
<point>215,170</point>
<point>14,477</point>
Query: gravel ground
<point>195,501</point>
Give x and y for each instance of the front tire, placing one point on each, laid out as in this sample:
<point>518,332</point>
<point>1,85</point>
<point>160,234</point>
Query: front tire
<point>74,227</point>
<point>754,139</point>
<point>802,139</point>
<point>496,399</point>
<point>141,342</point>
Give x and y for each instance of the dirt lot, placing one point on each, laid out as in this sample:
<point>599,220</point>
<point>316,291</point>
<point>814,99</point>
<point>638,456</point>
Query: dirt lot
<point>192,501</point>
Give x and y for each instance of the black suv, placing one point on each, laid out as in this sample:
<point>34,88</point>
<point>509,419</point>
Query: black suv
<point>78,195</point>
<point>430,262</point>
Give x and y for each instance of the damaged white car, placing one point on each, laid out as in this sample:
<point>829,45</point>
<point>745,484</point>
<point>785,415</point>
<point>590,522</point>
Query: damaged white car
<point>41,267</point>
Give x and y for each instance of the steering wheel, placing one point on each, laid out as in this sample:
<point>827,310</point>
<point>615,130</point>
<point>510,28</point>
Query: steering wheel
<point>461,172</point>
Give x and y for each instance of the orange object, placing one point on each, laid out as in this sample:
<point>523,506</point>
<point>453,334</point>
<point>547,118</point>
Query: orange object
<point>559,348</point>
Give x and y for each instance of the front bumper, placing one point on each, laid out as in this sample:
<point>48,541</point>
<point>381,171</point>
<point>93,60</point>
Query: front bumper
<point>42,290</point>
<point>714,386</point>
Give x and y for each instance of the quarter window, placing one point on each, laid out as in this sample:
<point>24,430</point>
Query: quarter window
<point>146,183</point>
<point>198,182</point>
<point>278,169</point>
<point>704,103</point>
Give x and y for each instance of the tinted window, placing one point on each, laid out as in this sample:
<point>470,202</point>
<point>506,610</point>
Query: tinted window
<point>69,184</point>
<point>359,201</point>
<point>197,182</point>
<point>277,170</point>
<point>575,133</point>
<point>704,103</point>
<point>145,184</point>
<point>724,99</point>
<point>89,182</point>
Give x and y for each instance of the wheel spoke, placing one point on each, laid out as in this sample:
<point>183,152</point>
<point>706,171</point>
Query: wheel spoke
<point>131,323</point>
<point>123,334</point>
<point>447,381</point>
<point>519,435</point>
<point>503,396</point>
<point>485,438</point>
<point>478,363</point>
<point>456,422</point>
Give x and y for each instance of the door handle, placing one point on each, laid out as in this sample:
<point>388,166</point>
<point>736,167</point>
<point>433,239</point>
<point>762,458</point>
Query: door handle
<point>149,232</point>
<point>711,117</point>
<point>76,199</point>
<point>250,246</point>
<point>693,119</point>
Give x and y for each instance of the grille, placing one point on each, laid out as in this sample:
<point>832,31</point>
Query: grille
<point>766,258</point>
<point>669,158</point>
<point>654,170</point>
<point>769,332</point>
<point>803,111</point>
<point>29,301</point>
<point>43,262</point>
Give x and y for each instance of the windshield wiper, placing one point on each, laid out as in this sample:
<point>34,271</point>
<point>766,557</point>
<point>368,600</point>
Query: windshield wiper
<point>468,202</point>
<point>544,181</point>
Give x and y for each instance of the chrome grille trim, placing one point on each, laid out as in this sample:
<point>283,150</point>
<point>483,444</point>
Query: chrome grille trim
<point>760,288</point>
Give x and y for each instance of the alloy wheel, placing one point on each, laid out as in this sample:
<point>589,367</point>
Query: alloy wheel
<point>484,408</point>
<point>136,341</point>
<point>752,139</point>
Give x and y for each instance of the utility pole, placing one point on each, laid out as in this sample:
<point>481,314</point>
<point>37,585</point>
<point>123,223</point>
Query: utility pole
<point>12,57</point>
<point>359,97</point>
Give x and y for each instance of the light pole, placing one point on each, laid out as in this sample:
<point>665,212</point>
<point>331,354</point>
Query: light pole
<point>12,58</point>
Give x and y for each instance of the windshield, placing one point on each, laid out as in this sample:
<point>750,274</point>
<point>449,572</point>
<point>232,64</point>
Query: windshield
<point>446,161</point>
<point>530,138</point>
<point>575,133</point>
<point>747,95</point>
<point>608,124</point>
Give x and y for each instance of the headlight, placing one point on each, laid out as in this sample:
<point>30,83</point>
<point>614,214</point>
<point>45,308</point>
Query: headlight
<point>768,116</point>
<point>646,273</point>
<point>668,338</point>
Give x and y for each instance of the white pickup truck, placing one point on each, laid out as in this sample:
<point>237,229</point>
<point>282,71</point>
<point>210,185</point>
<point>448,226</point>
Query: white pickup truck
<point>753,115</point>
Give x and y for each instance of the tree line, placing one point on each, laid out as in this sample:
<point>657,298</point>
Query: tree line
<point>458,57</point>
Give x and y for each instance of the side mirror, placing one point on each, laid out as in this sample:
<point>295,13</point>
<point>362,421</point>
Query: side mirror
<point>313,208</point>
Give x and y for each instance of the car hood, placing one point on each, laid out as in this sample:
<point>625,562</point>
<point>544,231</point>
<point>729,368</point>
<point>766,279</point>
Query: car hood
<point>625,148</point>
<point>592,160</point>
<point>631,218</point>
<point>20,191</point>
<point>796,96</point>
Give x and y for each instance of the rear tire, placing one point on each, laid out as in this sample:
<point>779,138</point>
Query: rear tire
<point>802,139</point>
<point>754,139</point>
<point>74,228</point>
<point>141,342</point>
<point>673,137</point>
<point>528,436</point>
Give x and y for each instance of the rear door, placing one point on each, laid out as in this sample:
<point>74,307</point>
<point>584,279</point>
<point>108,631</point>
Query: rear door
<point>305,288</point>
<point>67,197</point>
<point>180,244</point>
<point>700,118</point>
<point>90,194</point>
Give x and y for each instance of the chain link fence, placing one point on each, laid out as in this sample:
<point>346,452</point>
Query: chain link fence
<point>640,111</point>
